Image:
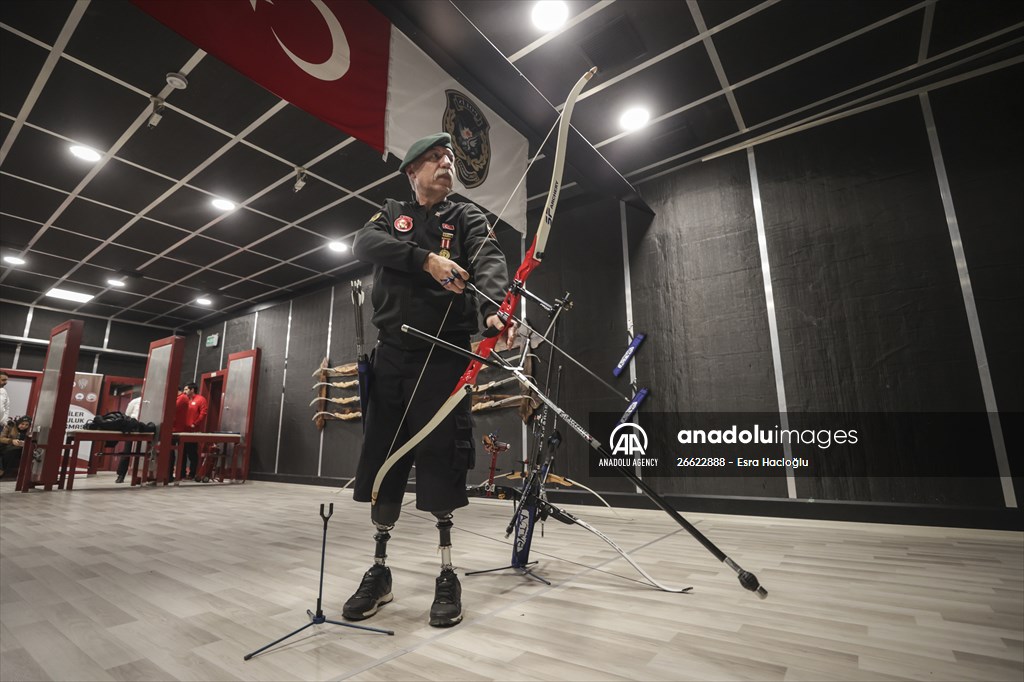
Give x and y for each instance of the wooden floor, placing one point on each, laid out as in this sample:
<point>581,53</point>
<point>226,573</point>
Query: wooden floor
<point>179,583</point>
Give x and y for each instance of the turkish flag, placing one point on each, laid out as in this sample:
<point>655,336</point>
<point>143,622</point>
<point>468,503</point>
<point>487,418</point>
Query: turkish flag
<point>327,57</point>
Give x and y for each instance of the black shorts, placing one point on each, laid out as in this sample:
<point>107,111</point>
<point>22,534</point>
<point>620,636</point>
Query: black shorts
<point>444,456</point>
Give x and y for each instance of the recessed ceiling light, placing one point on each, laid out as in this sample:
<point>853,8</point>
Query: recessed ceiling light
<point>85,153</point>
<point>115,282</point>
<point>340,247</point>
<point>69,295</point>
<point>634,118</point>
<point>203,301</point>
<point>14,260</point>
<point>548,15</point>
<point>177,81</point>
<point>223,204</point>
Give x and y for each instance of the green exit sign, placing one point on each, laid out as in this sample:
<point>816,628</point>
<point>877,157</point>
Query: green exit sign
<point>212,340</point>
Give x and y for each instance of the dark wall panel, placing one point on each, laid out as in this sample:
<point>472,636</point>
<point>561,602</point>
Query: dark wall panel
<point>122,366</point>
<point>699,294</point>
<point>870,312</point>
<point>209,357</point>
<point>307,345</point>
<point>43,321</point>
<point>32,358</point>
<point>343,440</point>
<point>982,145</point>
<point>271,332</point>
<point>238,336</point>
<point>188,362</point>
<point>12,319</point>
<point>135,338</point>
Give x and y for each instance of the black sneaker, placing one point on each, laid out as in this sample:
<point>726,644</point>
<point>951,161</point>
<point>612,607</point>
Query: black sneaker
<point>446,610</point>
<point>374,591</point>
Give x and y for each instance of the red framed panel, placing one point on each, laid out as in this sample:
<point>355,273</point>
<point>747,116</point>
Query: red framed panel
<point>33,395</point>
<point>211,387</point>
<point>247,362</point>
<point>50,420</point>
<point>163,371</point>
<point>117,403</point>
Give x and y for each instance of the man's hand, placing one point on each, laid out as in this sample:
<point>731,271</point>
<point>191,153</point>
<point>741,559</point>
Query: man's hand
<point>440,268</point>
<point>507,337</point>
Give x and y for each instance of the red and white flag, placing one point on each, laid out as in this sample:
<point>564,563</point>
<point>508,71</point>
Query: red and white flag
<point>343,62</point>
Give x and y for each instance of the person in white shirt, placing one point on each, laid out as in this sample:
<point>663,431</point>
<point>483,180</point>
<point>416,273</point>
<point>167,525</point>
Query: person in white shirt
<point>5,401</point>
<point>132,411</point>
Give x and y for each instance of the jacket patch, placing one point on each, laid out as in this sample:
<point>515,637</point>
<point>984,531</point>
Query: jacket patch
<point>403,223</point>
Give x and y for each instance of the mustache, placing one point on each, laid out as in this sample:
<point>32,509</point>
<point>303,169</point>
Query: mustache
<point>444,172</point>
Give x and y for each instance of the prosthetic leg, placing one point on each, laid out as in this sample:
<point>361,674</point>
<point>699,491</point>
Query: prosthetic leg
<point>446,610</point>
<point>375,588</point>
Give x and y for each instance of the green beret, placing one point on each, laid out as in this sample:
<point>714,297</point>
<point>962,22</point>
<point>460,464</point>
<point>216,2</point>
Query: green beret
<point>421,146</point>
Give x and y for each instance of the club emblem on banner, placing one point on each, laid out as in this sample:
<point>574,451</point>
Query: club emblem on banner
<point>403,223</point>
<point>470,133</point>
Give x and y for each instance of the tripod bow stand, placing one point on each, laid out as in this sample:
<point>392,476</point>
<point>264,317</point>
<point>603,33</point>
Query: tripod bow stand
<point>319,618</point>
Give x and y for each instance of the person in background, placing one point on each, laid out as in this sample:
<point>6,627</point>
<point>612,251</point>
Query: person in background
<point>5,401</point>
<point>132,411</point>
<point>195,422</point>
<point>180,425</point>
<point>12,442</point>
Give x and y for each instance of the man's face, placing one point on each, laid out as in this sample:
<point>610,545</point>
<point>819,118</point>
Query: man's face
<point>432,172</point>
<point>189,391</point>
<point>3,380</point>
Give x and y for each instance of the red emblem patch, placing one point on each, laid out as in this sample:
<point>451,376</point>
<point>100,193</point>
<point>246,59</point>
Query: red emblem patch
<point>403,223</point>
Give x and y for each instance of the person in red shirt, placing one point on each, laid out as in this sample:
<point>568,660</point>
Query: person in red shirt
<point>195,421</point>
<point>180,422</point>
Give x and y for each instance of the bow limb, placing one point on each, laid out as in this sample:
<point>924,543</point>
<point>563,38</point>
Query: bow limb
<point>611,543</point>
<point>446,409</point>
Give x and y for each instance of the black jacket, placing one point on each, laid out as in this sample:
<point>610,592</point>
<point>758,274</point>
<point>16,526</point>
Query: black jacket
<point>397,240</point>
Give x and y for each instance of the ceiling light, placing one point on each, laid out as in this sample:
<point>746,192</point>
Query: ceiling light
<point>223,204</point>
<point>115,282</point>
<point>76,296</point>
<point>549,14</point>
<point>14,260</point>
<point>85,153</point>
<point>340,247</point>
<point>177,81</point>
<point>634,118</point>
<point>203,301</point>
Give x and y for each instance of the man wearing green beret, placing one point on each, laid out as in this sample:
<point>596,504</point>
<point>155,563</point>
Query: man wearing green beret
<point>416,248</point>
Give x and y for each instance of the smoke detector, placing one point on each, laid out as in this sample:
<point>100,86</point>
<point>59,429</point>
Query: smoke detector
<point>177,81</point>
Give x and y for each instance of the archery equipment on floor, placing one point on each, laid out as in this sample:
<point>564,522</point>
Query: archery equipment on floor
<point>319,618</point>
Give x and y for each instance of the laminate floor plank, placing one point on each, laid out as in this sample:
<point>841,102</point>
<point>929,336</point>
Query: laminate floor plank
<point>107,582</point>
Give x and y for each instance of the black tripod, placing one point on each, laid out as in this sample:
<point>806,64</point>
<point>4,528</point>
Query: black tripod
<point>319,618</point>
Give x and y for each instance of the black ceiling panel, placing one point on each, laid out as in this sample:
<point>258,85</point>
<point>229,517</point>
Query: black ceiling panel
<point>120,184</point>
<point>245,264</point>
<point>219,94</point>
<point>345,218</point>
<point>181,294</point>
<point>296,136</point>
<point>25,278</point>
<point>119,298</point>
<point>201,250</point>
<point>13,293</point>
<point>715,11</point>
<point>209,279</point>
<point>395,188</point>
<point>243,227</point>
<point>85,106</point>
<point>353,165</point>
<point>15,233</point>
<point>25,16</point>
<point>175,147</point>
<point>960,21</point>
<point>250,289</point>
<point>46,159</point>
<point>864,58</point>
<point>324,260</point>
<point>150,236</point>
<point>18,82</point>
<point>88,217</point>
<point>781,32</point>
<point>118,257</point>
<point>289,244</point>
<point>65,243</point>
<point>127,43</point>
<point>239,173</point>
<point>27,200</point>
<point>283,275</point>
<point>134,315</point>
<point>47,264</point>
<point>508,24</point>
<point>186,208</point>
<point>167,270</point>
<point>101,309</point>
<point>285,202</point>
